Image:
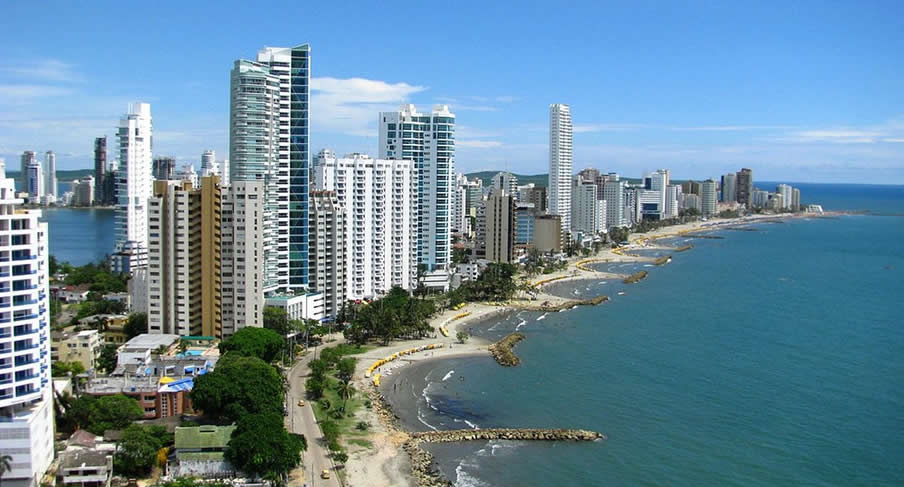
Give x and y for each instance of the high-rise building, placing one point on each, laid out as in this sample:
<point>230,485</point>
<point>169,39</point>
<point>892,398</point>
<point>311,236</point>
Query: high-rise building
<point>474,194</point>
<point>50,187</point>
<point>429,141</point>
<point>133,188</point>
<point>100,168</point>
<point>786,192</point>
<point>525,213</point>
<point>209,165</point>
<point>242,255</point>
<point>83,191</point>
<point>708,190</point>
<point>187,173</point>
<point>28,157</point>
<point>26,389</point>
<point>587,211</point>
<point>269,142</point>
<point>504,181</point>
<point>759,199</point>
<point>164,168</point>
<point>560,163</point>
<point>795,199</point>
<point>729,188</point>
<point>614,194</point>
<point>500,222</point>
<point>692,187</point>
<point>327,250</point>
<point>537,196</point>
<point>672,192</point>
<point>548,233</point>
<point>184,255</point>
<point>459,208</point>
<point>224,172</point>
<point>35,181</point>
<point>379,197</point>
<point>744,186</point>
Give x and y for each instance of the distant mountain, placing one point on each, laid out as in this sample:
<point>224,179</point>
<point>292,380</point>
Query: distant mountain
<point>539,180</point>
<point>62,176</point>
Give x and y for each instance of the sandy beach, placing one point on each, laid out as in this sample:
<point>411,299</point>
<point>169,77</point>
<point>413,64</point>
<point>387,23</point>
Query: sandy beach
<point>385,463</point>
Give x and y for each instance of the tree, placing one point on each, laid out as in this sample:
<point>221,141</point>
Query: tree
<point>6,464</point>
<point>137,451</point>
<point>106,361</point>
<point>62,369</point>
<point>462,336</point>
<point>345,391</point>
<point>52,265</point>
<point>238,386</point>
<point>136,324</point>
<point>340,457</point>
<point>114,413</point>
<point>254,342</point>
<point>345,369</point>
<point>260,445</point>
<point>276,319</point>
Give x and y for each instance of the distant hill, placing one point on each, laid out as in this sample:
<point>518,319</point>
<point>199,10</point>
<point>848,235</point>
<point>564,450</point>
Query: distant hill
<point>539,180</point>
<point>62,176</point>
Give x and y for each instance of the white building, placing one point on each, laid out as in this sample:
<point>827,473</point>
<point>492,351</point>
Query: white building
<point>560,163</point>
<point>379,197</point>
<point>588,212</point>
<point>35,177</point>
<point>306,306</point>
<point>787,195</point>
<point>242,258</point>
<point>759,198</point>
<point>26,410</point>
<point>27,158</point>
<point>327,250</point>
<point>729,188</point>
<point>460,220</point>
<point>428,140</point>
<point>209,165</point>
<point>506,182</point>
<point>50,187</point>
<point>133,188</point>
<point>188,173</point>
<point>83,191</point>
<point>671,193</point>
<point>614,195</point>
<point>709,199</point>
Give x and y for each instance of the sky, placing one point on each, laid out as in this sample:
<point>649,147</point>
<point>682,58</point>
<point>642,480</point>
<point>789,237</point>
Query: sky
<point>798,91</point>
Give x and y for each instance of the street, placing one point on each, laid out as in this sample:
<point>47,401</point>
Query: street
<point>301,421</point>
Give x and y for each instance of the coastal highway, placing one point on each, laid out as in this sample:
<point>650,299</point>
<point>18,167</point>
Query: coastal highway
<point>301,420</point>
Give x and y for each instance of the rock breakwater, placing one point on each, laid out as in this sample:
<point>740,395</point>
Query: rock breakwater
<point>502,350</point>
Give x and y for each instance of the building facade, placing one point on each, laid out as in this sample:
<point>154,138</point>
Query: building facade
<point>428,140</point>
<point>100,169</point>
<point>26,410</point>
<point>50,186</point>
<point>744,186</point>
<point>328,250</point>
<point>560,163</point>
<point>709,197</point>
<point>614,194</point>
<point>379,197</point>
<point>242,256</point>
<point>729,188</point>
<point>35,181</point>
<point>588,212</point>
<point>133,188</point>
<point>500,222</point>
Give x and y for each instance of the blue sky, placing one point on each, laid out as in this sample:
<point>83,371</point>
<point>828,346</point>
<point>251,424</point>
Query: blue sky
<point>799,91</point>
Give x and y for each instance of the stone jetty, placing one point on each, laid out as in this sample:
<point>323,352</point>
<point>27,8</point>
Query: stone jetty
<point>637,276</point>
<point>502,350</point>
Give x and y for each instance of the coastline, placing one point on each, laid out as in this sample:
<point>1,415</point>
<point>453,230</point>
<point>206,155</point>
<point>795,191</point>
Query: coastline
<point>386,462</point>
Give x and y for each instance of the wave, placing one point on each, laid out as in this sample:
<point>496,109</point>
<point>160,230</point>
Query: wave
<point>446,377</point>
<point>541,317</point>
<point>465,479</point>
<point>523,322</point>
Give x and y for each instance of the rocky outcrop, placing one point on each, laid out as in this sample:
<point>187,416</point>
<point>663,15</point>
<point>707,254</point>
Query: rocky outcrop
<point>520,434</point>
<point>502,350</point>
<point>422,466</point>
<point>548,307</point>
<point>683,248</point>
<point>636,277</point>
<point>665,259</point>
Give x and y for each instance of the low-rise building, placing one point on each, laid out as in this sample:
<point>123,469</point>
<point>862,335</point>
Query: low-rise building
<point>138,350</point>
<point>307,306</point>
<point>85,468</point>
<point>123,298</point>
<point>74,294</point>
<point>76,346</point>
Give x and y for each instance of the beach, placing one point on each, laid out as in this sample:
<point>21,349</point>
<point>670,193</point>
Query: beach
<point>404,381</point>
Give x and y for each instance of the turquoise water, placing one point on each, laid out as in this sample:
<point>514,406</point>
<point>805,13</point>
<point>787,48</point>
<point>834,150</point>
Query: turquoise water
<point>80,235</point>
<point>769,358</point>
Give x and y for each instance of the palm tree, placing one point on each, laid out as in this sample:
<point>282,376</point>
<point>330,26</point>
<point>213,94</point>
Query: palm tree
<point>345,391</point>
<point>6,464</point>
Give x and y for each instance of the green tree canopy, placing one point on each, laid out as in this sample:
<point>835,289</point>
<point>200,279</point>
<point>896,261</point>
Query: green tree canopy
<point>254,342</point>
<point>396,315</point>
<point>238,386</point>
<point>138,449</point>
<point>136,325</point>
<point>276,319</point>
<point>107,359</point>
<point>260,445</point>
<point>114,412</point>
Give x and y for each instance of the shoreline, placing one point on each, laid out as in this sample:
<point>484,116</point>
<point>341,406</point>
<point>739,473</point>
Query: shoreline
<point>381,464</point>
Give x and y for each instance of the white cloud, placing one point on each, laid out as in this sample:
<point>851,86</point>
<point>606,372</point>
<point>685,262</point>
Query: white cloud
<point>351,106</point>
<point>479,144</point>
<point>47,70</point>
<point>15,94</point>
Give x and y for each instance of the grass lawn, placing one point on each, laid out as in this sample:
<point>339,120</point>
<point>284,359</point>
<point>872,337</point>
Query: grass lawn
<point>349,435</point>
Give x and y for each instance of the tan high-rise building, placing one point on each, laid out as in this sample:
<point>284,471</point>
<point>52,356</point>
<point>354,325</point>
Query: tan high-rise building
<point>326,249</point>
<point>500,223</point>
<point>184,247</point>
<point>548,233</point>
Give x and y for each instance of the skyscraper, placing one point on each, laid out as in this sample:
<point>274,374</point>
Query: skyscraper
<point>614,194</point>
<point>505,181</point>
<point>164,168</point>
<point>327,250</point>
<point>795,199</point>
<point>500,223</point>
<point>133,188</point>
<point>50,187</point>
<point>26,389</point>
<point>28,157</point>
<point>269,142</point>
<point>560,163</point>
<point>100,167</point>
<point>786,192</point>
<point>709,197</point>
<point>34,181</point>
<point>242,265</point>
<point>429,141</point>
<point>209,166</point>
<point>729,188</point>
<point>587,210</point>
<point>744,186</point>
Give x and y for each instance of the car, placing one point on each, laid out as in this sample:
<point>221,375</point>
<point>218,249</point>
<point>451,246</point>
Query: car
<point>325,474</point>
<point>301,404</point>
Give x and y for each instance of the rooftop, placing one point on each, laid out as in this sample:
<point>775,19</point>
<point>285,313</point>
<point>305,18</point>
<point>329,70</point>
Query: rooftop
<point>149,341</point>
<point>73,459</point>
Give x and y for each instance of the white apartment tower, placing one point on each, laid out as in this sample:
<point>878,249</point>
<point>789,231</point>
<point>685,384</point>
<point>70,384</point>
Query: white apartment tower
<point>209,166</point>
<point>242,257</point>
<point>429,141</point>
<point>614,195</point>
<point>27,158</point>
<point>786,191</point>
<point>133,188</point>
<point>35,181</point>
<point>26,409</point>
<point>460,218</point>
<point>588,212</point>
<point>709,197</point>
<point>50,187</point>
<point>729,188</point>
<point>379,197</point>
<point>504,181</point>
<point>560,163</point>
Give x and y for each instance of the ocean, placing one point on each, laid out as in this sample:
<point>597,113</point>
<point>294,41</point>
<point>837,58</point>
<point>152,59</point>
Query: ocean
<point>767,358</point>
<point>80,235</point>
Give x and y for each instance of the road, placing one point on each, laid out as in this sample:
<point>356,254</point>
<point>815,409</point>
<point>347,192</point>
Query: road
<point>301,420</point>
